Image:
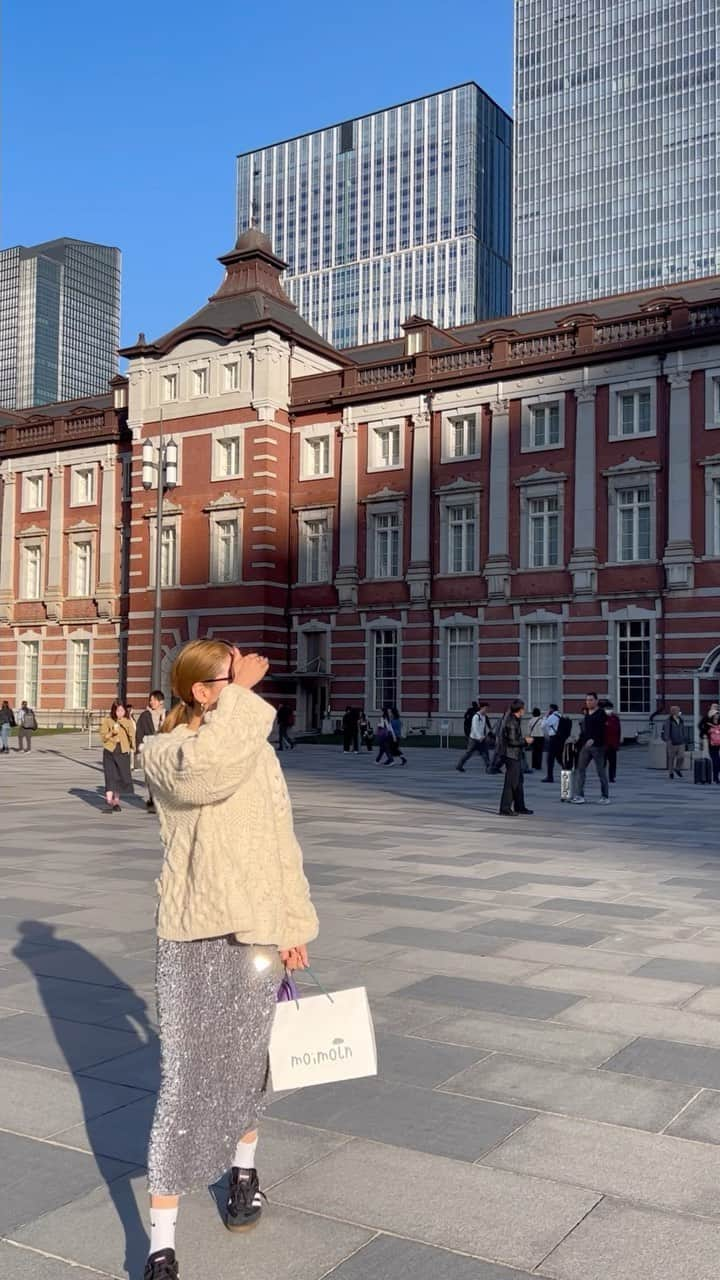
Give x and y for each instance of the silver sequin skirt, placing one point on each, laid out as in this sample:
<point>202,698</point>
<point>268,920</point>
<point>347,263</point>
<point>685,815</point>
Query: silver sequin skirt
<point>216,1004</point>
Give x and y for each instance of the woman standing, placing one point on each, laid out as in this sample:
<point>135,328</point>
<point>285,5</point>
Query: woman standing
<point>396,726</point>
<point>7,722</point>
<point>234,909</point>
<point>117,734</point>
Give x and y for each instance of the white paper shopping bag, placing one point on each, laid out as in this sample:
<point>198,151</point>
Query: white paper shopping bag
<point>321,1039</point>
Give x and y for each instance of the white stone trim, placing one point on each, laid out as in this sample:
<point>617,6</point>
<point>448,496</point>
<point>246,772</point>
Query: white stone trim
<point>449,499</point>
<point>76,467</point>
<point>217,515</point>
<point>376,507</point>
<point>541,484</point>
<point>448,418</point>
<point>443,626</point>
<point>631,613</point>
<point>711,467</point>
<point>712,398</point>
<point>34,473</point>
<point>633,473</point>
<point>317,431</point>
<point>229,431</point>
<point>385,424</point>
<point>314,513</point>
<point>369,627</point>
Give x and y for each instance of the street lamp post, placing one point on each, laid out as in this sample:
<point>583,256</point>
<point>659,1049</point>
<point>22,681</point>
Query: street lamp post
<point>165,467</point>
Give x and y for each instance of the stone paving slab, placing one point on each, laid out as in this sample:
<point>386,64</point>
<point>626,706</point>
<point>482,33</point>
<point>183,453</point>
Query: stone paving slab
<point>622,1242</point>
<point>544,1041</point>
<point>548,953</point>
<point>613,985</point>
<point>666,1060</point>
<point>40,1103</point>
<point>18,1263</point>
<point>521,1219</point>
<point>700,1121</point>
<point>402,1116</point>
<point>591,907</point>
<point>493,997</point>
<point>648,1168</point>
<point>39,1177</point>
<point>585,1094</point>
<point>643,1020</point>
<point>390,1258</point>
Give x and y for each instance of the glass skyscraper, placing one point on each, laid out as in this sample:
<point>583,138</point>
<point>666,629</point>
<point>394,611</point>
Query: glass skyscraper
<point>59,321</point>
<point>616,147</point>
<point>404,211</point>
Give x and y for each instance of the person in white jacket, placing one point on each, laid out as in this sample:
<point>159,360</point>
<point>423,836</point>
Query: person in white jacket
<point>234,908</point>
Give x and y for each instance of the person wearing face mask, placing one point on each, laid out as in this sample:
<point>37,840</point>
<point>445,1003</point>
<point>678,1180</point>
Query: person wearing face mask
<point>234,911</point>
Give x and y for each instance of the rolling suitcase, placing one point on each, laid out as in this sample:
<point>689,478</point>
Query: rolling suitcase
<point>702,771</point>
<point>567,769</point>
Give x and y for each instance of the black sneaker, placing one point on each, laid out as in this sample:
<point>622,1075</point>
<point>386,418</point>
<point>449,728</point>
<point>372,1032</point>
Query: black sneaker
<point>162,1265</point>
<point>244,1202</point>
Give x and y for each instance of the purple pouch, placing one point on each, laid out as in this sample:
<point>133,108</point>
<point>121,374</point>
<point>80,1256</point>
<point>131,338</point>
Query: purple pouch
<point>287,989</point>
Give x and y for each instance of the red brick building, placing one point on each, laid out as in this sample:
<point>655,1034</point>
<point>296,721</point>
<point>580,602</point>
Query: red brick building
<point>529,505</point>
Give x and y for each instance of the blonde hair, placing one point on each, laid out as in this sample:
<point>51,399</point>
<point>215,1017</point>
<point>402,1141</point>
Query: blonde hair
<point>197,661</point>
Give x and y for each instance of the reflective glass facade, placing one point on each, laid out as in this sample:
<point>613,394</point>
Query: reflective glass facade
<point>59,321</point>
<point>405,211</point>
<point>616,147</point>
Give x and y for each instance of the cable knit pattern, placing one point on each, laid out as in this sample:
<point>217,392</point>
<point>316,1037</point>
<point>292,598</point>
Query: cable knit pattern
<point>232,862</point>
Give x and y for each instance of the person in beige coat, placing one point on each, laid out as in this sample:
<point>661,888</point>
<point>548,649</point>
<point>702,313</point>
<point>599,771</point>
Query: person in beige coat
<point>117,734</point>
<point>234,911</point>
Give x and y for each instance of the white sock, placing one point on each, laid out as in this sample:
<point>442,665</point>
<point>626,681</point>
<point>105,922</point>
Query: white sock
<point>162,1229</point>
<point>244,1157</point>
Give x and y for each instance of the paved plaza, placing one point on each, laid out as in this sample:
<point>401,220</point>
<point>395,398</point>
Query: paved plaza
<point>546,993</point>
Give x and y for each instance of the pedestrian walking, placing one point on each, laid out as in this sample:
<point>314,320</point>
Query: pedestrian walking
<point>396,729</point>
<point>713,737</point>
<point>556,730</point>
<point>7,722</point>
<point>592,749</point>
<point>673,735</point>
<point>351,731</point>
<point>613,738</point>
<point>285,720</point>
<point>117,734</point>
<point>510,748</point>
<point>537,734</point>
<point>367,737</point>
<point>27,724</point>
<point>704,725</point>
<point>468,719</point>
<point>479,738</point>
<point>384,738</point>
<point>234,909</point>
<point>149,722</point>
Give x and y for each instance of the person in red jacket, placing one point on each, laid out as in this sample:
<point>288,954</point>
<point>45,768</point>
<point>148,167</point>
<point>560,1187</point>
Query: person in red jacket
<point>613,739</point>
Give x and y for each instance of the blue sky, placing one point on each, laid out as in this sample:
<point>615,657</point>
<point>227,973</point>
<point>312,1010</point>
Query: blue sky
<point>121,123</point>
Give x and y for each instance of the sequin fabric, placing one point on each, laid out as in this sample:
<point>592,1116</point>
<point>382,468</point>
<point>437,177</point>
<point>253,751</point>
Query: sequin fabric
<point>216,1004</point>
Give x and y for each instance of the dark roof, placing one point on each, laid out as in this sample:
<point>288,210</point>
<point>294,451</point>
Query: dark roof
<point>250,297</point>
<point>58,409</point>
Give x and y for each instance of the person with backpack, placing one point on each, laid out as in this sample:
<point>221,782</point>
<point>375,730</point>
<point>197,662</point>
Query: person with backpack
<point>613,738</point>
<point>7,722</point>
<point>557,729</point>
<point>713,737</point>
<point>467,721</point>
<point>479,737</point>
<point>27,724</point>
<point>673,735</point>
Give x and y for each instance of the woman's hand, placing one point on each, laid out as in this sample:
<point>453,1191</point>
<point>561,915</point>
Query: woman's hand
<point>248,669</point>
<point>295,958</point>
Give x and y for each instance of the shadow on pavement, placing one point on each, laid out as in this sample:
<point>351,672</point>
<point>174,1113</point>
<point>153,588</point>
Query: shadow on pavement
<point>71,959</point>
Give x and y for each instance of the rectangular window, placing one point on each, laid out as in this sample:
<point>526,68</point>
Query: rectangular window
<point>200,382</point>
<point>634,666</point>
<point>634,524</point>
<point>543,664</point>
<point>385,666</point>
<point>168,556</point>
<point>83,486</point>
<point>34,492</point>
<point>545,425</point>
<point>81,569</point>
<point>386,539</point>
<point>386,446</point>
<point>716,517</point>
<point>30,665</point>
<point>461,675</point>
<point>315,549</point>
<point>32,571</point>
<point>461,538</point>
<point>80,673</point>
<point>227,550</point>
<point>317,456</point>
<point>544,525</point>
<point>231,376</point>
<point>170,386</point>
<point>463,436</point>
<point>228,457</point>
<point>634,413</point>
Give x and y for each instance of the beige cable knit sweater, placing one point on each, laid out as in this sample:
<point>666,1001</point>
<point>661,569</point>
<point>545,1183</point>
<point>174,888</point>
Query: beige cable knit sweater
<point>232,863</point>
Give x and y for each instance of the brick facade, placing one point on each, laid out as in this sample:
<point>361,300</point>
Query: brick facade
<point>532,506</point>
